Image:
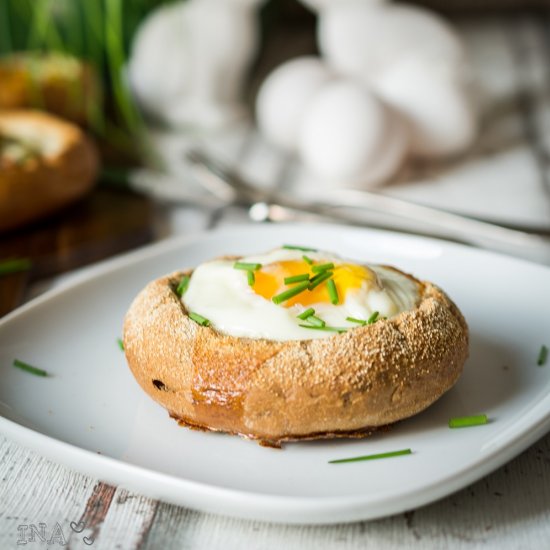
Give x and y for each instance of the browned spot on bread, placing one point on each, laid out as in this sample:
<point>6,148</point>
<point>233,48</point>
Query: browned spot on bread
<point>221,376</point>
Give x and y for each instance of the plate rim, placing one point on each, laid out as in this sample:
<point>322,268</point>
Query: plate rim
<point>261,507</point>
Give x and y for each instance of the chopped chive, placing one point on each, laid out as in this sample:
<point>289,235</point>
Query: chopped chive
<point>328,329</point>
<point>543,356</point>
<point>318,279</point>
<point>332,291</point>
<point>373,318</point>
<point>315,321</point>
<point>307,313</point>
<point>372,457</point>
<point>29,368</point>
<point>15,265</point>
<point>251,278</point>
<point>322,275</point>
<point>467,421</point>
<point>307,259</point>
<point>322,267</point>
<point>290,293</point>
<point>247,267</point>
<point>183,284</point>
<point>297,278</point>
<point>358,321</point>
<point>120,343</point>
<point>302,248</point>
<point>199,319</point>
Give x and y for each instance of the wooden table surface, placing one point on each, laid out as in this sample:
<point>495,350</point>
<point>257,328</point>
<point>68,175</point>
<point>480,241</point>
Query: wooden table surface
<point>509,509</point>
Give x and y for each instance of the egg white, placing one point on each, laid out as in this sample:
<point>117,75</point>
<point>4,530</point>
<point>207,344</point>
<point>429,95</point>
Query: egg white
<point>221,293</point>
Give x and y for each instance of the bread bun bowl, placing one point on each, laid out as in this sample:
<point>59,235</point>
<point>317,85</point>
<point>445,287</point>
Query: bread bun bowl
<point>45,163</point>
<point>307,384</point>
<point>56,82</point>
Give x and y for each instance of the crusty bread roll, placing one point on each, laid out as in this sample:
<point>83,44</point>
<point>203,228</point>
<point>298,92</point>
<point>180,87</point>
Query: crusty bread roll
<point>346,385</point>
<point>45,163</point>
<point>56,82</point>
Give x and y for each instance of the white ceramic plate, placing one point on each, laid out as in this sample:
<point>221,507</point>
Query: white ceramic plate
<point>92,416</point>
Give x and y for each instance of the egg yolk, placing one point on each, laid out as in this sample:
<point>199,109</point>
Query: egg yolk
<point>269,281</point>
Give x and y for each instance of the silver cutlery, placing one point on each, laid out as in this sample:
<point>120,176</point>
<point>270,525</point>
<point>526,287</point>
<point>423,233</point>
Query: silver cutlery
<point>363,208</point>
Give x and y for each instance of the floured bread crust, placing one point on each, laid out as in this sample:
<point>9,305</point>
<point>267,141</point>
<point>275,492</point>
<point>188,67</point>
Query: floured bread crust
<point>62,167</point>
<point>346,385</point>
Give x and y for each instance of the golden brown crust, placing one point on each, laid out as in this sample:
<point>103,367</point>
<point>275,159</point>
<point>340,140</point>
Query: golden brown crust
<point>58,83</point>
<point>344,385</point>
<point>45,182</point>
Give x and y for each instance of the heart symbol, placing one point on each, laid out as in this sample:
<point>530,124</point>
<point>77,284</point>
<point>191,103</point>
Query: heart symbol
<point>88,540</point>
<point>77,527</point>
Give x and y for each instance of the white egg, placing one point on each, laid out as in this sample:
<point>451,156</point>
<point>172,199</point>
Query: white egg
<point>189,61</point>
<point>438,105</point>
<point>156,83</point>
<point>222,294</point>
<point>318,5</point>
<point>365,39</point>
<point>414,61</point>
<point>349,137</point>
<point>284,96</point>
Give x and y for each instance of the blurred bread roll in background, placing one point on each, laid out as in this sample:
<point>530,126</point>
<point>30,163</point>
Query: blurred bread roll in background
<point>55,82</point>
<point>45,164</point>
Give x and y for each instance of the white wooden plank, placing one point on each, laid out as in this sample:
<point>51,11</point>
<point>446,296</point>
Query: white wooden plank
<point>34,490</point>
<point>126,523</point>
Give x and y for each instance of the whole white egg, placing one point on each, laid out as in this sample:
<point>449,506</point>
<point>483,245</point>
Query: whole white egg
<point>437,104</point>
<point>365,39</point>
<point>413,60</point>
<point>157,78</point>
<point>284,96</point>
<point>189,62</point>
<point>349,137</point>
